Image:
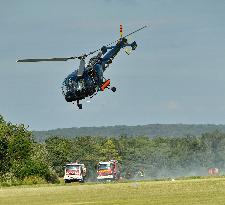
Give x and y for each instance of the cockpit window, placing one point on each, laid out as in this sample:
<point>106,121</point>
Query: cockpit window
<point>80,84</point>
<point>69,83</point>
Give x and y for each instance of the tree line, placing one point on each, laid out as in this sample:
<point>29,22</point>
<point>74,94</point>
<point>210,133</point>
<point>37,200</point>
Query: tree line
<point>152,130</point>
<point>21,158</point>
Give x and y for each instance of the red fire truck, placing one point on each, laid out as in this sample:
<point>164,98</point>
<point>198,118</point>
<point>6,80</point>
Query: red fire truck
<point>108,171</point>
<point>75,172</point>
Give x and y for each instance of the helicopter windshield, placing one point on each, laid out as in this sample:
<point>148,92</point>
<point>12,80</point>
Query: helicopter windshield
<point>69,83</point>
<point>76,88</point>
<point>80,85</point>
<point>73,88</point>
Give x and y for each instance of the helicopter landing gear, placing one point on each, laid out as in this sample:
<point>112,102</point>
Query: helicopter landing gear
<point>113,89</point>
<point>79,105</point>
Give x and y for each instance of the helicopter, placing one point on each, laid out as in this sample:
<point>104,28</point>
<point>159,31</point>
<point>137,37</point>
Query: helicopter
<point>88,79</point>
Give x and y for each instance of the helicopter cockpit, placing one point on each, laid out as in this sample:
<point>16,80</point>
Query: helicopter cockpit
<point>75,88</point>
<point>72,87</point>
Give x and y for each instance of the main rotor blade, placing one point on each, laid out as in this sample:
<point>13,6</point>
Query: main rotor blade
<point>83,56</point>
<point>135,31</point>
<point>45,59</point>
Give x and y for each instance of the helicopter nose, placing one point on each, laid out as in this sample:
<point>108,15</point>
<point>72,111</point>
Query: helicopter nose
<point>79,93</point>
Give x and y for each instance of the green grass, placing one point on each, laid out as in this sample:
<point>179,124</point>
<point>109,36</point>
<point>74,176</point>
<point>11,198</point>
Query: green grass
<point>193,191</point>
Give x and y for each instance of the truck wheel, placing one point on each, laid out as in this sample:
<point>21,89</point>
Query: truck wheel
<point>81,181</point>
<point>67,181</point>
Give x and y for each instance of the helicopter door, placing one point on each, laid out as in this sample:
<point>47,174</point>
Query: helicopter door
<point>99,71</point>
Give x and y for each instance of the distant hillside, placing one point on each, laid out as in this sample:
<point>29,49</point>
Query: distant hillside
<point>151,130</point>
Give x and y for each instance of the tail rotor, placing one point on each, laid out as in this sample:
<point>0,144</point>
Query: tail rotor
<point>121,31</point>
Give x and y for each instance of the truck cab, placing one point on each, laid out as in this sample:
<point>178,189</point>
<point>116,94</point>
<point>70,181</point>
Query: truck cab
<point>75,172</point>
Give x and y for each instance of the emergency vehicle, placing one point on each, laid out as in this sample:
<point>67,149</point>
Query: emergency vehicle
<point>108,171</point>
<point>75,172</point>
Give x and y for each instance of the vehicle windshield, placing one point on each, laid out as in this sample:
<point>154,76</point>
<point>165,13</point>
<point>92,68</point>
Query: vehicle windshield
<point>103,166</point>
<point>72,167</point>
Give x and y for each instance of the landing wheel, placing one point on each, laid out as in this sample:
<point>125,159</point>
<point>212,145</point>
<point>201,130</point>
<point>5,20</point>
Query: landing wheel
<point>113,89</point>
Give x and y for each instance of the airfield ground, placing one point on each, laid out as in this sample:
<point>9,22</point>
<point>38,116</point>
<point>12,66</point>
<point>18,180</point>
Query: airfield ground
<point>194,191</point>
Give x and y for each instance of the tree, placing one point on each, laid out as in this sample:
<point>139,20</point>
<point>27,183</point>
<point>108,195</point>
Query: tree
<point>109,151</point>
<point>59,150</point>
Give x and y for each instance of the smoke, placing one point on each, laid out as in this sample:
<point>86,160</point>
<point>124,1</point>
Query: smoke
<point>149,172</point>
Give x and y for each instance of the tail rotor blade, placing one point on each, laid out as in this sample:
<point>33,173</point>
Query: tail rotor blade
<point>121,33</point>
<point>121,30</point>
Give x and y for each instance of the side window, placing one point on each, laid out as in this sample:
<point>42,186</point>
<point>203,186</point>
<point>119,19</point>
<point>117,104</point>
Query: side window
<point>112,166</point>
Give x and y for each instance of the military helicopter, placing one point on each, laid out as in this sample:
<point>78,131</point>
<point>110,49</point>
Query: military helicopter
<point>88,79</point>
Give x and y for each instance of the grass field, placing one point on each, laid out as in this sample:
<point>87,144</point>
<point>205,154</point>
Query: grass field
<point>195,191</point>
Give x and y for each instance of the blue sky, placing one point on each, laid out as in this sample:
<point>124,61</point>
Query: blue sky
<point>176,74</point>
